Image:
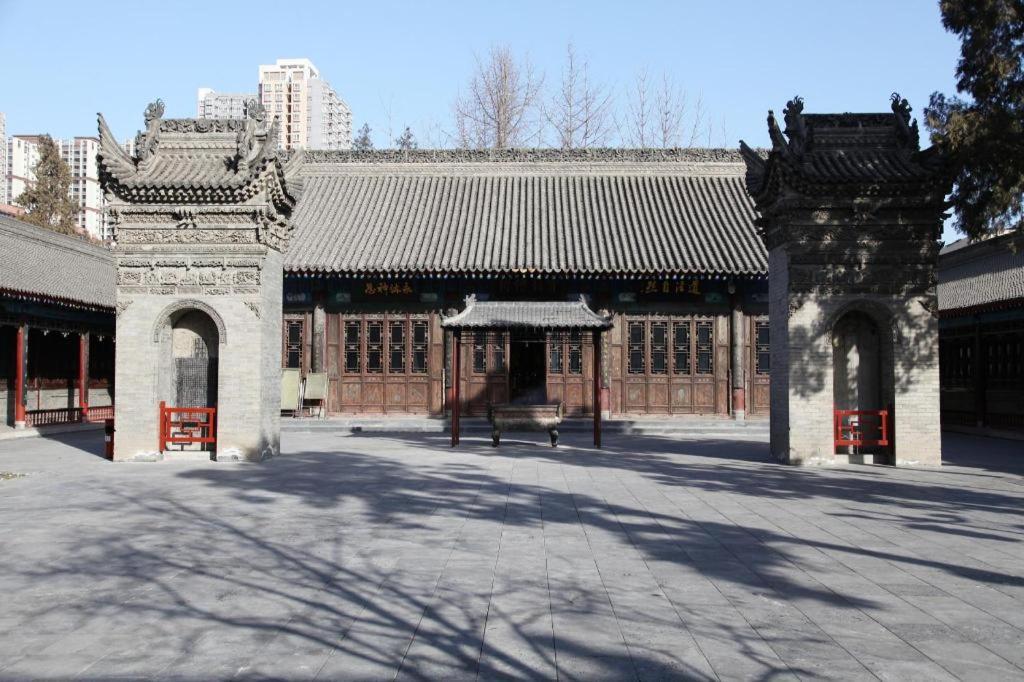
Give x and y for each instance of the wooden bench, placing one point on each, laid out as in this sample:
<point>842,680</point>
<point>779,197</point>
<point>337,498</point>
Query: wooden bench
<point>524,418</point>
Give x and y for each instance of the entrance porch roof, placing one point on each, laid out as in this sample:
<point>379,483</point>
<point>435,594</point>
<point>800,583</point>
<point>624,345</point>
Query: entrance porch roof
<point>526,315</point>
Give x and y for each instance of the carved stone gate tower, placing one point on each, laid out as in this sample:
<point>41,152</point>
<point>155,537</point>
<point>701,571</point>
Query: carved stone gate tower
<point>851,211</point>
<point>202,216</point>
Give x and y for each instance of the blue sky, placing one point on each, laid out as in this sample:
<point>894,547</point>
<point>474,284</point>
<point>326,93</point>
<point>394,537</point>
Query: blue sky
<point>411,58</point>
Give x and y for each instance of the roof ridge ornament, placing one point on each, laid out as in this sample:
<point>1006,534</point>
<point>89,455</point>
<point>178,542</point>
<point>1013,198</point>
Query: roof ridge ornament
<point>146,142</point>
<point>779,143</point>
<point>250,136</point>
<point>906,129</point>
<point>796,129</point>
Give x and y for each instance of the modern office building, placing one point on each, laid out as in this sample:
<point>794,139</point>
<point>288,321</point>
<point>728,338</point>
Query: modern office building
<point>311,114</point>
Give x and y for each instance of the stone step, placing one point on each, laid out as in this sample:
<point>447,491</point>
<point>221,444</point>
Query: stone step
<point>706,428</point>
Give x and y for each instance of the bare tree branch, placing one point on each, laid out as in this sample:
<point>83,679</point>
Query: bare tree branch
<point>579,111</point>
<point>636,130</point>
<point>499,107</point>
<point>670,103</point>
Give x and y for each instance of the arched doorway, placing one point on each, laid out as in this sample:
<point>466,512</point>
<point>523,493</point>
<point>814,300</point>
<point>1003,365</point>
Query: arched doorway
<point>190,339</point>
<point>194,344</point>
<point>856,363</point>
<point>860,393</point>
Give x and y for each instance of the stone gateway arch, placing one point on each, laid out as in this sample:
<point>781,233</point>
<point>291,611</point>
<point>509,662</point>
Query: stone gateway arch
<point>851,210</point>
<point>202,215</point>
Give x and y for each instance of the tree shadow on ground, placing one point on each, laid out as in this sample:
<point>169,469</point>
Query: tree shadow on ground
<point>332,560</point>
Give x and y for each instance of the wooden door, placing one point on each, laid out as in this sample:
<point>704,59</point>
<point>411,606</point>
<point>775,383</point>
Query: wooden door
<point>484,371</point>
<point>380,363</point>
<point>671,365</point>
<point>570,371</point>
<point>759,366</point>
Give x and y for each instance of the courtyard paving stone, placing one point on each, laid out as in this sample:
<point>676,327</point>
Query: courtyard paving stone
<point>397,557</point>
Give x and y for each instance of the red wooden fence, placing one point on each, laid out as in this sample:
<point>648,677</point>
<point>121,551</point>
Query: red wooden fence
<point>862,428</point>
<point>187,425</point>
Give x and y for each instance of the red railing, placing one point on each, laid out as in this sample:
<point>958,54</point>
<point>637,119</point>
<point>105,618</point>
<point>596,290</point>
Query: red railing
<point>186,425</point>
<point>862,428</point>
<point>68,415</point>
<point>61,415</point>
<point>99,414</point>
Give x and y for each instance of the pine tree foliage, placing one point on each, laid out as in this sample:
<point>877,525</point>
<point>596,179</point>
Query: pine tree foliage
<point>982,132</point>
<point>406,140</point>
<point>47,202</point>
<point>363,141</point>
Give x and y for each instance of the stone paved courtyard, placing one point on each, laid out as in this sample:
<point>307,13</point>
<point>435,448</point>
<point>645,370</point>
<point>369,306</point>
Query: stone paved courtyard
<point>376,557</point>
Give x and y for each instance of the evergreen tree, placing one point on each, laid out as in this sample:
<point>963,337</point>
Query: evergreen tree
<point>984,134</point>
<point>363,143</point>
<point>47,202</point>
<point>406,140</point>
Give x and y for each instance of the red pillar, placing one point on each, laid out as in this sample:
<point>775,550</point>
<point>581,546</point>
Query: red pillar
<point>83,374</point>
<point>456,361</point>
<point>597,388</point>
<point>20,367</point>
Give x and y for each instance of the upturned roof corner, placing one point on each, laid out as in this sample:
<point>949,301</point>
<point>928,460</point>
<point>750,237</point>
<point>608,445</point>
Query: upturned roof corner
<point>200,161</point>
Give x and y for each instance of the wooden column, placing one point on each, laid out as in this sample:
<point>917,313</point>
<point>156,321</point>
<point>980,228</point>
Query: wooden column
<point>739,365</point>
<point>319,339</point>
<point>597,388</point>
<point>20,372</point>
<point>456,380</point>
<point>83,373</point>
<point>979,379</point>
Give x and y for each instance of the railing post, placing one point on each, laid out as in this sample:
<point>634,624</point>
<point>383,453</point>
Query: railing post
<point>597,388</point>
<point>20,372</point>
<point>160,430</point>
<point>83,374</point>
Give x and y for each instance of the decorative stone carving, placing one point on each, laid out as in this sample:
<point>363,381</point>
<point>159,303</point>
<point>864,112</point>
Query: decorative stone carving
<point>204,214</point>
<point>146,142</point>
<point>850,210</point>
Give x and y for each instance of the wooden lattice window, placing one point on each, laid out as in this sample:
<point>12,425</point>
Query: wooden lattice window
<point>294,338</point>
<point>762,354</point>
<point>397,347</point>
<point>419,346</point>
<point>353,346</point>
<point>681,347</point>
<point>555,356</point>
<point>480,353</point>
<point>705,347</point>
<point>659,347</point>
<point>637,357</point>
<point>374,347</point>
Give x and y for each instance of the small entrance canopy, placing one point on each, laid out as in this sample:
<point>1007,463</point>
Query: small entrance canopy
<point>526,315</point>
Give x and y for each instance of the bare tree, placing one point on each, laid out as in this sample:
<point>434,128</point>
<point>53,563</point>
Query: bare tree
<point>670,105</point>
<point>499,107</point>
<point>635,131</point>
<point>579,112</point>
<point>698,125</point>
<point>662,117</point>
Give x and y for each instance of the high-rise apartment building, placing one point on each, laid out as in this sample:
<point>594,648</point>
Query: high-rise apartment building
<point>213,104</point>
<point>22,157</point>
<point>80,155</point>
<point>3,159</point>
<point>311,114</point>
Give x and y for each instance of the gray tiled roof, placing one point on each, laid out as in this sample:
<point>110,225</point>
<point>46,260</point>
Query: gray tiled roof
<point>38,262</point>
<point>544,213</point>
<point>872,153</point>
<point>982,274</point>
<point>520,314</point>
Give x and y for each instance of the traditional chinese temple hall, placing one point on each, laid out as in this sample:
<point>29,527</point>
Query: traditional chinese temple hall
<point>661,242</point>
